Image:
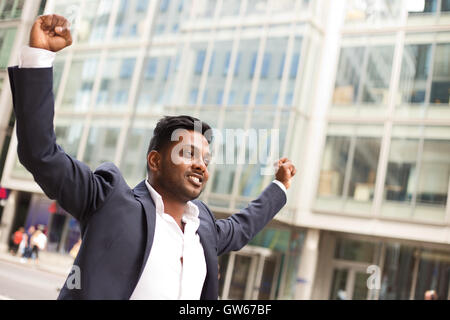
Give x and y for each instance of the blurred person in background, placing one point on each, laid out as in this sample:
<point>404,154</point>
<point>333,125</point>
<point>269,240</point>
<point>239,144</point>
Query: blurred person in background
<point>17,240</point>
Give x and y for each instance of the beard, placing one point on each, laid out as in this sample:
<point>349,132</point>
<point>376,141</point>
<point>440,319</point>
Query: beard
<point>179,188</point>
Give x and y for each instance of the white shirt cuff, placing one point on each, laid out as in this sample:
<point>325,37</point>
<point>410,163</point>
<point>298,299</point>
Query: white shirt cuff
<point>36,58</point>
<point>281,185</point>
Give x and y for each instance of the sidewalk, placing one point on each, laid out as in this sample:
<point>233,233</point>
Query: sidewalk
<point>55,263</point>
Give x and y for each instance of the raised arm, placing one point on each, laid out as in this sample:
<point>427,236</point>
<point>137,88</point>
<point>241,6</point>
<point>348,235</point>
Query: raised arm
<point>77,189</point>
<point>237,230</point>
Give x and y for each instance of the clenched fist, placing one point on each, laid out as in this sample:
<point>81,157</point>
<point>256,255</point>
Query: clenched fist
<point>50,32</point>
<point>286,170</point>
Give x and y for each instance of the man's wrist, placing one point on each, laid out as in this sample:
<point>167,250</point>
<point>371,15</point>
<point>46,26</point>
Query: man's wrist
<point>35,58</point>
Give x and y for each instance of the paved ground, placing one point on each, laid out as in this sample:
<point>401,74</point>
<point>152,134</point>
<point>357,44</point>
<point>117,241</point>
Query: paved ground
<point>28,282</point>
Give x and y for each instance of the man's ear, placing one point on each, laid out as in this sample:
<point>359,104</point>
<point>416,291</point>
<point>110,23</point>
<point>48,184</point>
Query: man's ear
<point>154,160</point>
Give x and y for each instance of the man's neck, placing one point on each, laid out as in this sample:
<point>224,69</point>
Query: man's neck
<point>172,207</point>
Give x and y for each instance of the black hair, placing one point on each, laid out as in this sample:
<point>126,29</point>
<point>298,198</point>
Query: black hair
<point>162,133</point>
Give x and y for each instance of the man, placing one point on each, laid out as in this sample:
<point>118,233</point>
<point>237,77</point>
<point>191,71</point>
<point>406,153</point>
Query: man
<point>151,242</point>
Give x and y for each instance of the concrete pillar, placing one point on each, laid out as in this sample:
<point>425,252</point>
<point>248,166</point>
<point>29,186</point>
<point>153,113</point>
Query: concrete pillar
<point>8,219</point>
<point>308,265</point>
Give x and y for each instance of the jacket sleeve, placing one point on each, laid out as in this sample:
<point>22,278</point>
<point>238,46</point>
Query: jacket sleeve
<point>237,230</point>
<point>63,178</point>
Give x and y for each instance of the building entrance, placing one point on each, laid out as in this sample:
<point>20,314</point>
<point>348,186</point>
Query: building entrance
<point>250,274</point>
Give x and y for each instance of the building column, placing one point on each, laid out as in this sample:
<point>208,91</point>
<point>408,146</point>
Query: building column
<point>307,271</point>
<point>8,219</point>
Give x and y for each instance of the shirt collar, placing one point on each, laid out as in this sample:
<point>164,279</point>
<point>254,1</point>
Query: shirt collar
<point>191,211</point>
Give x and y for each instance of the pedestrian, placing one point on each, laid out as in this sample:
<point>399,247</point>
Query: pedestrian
<point>155,241</point>
<point>16,240</point>
<point>28,249</point>
<point>38,242</point>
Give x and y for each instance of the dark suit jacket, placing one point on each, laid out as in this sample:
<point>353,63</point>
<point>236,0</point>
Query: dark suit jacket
<point>117,223</point>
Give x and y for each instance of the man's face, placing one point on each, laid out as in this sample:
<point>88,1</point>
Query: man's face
<point>184,166</point>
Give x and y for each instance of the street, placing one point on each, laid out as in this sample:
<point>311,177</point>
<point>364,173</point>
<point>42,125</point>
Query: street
<point>28,283</point>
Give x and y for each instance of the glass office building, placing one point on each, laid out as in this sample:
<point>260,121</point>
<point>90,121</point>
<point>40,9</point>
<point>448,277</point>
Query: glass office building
<point>355,92</point>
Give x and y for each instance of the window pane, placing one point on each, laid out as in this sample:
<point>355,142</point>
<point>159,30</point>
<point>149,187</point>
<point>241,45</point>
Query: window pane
<point>68,133</point>
<point>420,7</point>
<point>101,145</point>
<point>241,85</point>
<point>115,81</point>
<point>434,173</point>
<point>78,90</point>
<point>397,272</point>
<point>434,274</point>
<point>440,88</point>
<point>130,19</point>
<point>218,68</point>
<point>378,75</point>
<point>348,75</point>
<point>94,21</point>
<point>7,37</point>
<point>354,250</point>
<point>364,168</point>
<point>402,170</point>
<point>414,73</point>
<point>269,83</point>
<point>333,166</point>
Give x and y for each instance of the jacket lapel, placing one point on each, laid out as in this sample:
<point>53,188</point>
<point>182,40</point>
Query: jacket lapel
<point>142,195</point>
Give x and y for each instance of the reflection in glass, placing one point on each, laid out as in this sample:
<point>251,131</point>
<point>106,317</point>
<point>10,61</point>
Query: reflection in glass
<point>241,84</point>
<point>440,87</point>
<point>434,175</point>
<point>68,135</point>
<point>218,68</point>
<point>378,75</point>
<point>257,153</point>
<point>434,274</point>
<point>348,75</point>
<point>364,168</point>
<point>130,19</point>
<point>239,277</point>
<point>333,166</point>
<point>94,21</point>
<point>11,9</point>
<point>338,286</point>
<point>397,272</point>
<point>402,170</point>
<point>101,145</point>
<point>414,73</point>
<point>354,250</point>
<point>115,83</point>
<point>363,75</point>
<point>7,37</point>
<point>273,60</point>
<point>77,93</point>
<point>156,84</point>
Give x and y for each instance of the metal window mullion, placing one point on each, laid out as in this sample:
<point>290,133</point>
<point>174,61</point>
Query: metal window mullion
<point>348,167</point>
<point>362,80</point>
<point>418,169</point>
<point>383,160</point>
<point>112,20</point>
<point>228,275</point>
<point>447,210</point>
<point>429,82</point>
<point>415,274</point>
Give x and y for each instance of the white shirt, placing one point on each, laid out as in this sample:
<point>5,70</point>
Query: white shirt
<point>164,276</point>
